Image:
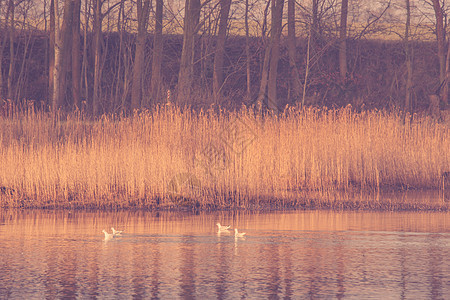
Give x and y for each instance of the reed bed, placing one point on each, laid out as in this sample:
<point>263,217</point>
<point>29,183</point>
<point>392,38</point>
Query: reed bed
<point>173,157</point>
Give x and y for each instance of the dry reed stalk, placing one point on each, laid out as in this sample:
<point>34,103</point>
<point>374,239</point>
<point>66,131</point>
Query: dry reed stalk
<point>172,156</point>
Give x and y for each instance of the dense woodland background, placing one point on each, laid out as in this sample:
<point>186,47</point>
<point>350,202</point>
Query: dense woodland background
<point>103,56</point>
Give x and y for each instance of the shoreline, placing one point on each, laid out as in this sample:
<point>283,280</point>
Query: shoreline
<point>387,200</point>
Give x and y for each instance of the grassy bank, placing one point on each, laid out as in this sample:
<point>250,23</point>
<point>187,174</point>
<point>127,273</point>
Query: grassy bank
<point>171,157</point>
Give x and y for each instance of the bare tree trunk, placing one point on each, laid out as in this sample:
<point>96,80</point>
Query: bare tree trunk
<point>1,54</point>
<point>292,45</point>
<point>343,41</point>
<point>97,50</point>
<point>142,18</point>
<point>46,49</point>
<point>51,54</point>
<point>1,67</point>
<point>11,51</point>
<point>265,64</point>
<point>157,52</point>
<point>1,60</point>
<point>220,48</point>
<point>57,66</point>
<point>277,15</point>
<point>315,24</point>
<point>84,62</point>
<point>447,76</point>
<point>264,24</point>
<point>118,81</point>
<point>264,75</point>
<point>66,45</point>
<point>185,76</point>
<point>247,50</point>
<point>308,55</point>
<point>21,77</point>
<point>407,105</point>
<point>76,55</point>
<point>440,34</point>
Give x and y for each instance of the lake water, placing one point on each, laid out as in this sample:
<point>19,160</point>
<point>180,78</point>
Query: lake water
<point>291,255</point>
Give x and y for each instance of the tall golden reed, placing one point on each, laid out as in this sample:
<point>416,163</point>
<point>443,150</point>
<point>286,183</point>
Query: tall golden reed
<point>171,157</point>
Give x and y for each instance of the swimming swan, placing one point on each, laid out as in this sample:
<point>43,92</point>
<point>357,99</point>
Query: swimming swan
<point>116,232</point>
<point>238,234</point>
<point>108,236</point>
<point>222,228</point>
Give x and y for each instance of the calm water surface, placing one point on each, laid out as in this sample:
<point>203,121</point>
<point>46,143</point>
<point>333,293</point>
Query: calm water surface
<point>293,255</point>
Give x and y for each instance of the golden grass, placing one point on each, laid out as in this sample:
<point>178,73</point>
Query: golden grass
<point>170,157</point>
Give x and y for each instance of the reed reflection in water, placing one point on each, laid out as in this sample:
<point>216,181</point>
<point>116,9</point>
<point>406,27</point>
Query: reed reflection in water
<point>307,254</point>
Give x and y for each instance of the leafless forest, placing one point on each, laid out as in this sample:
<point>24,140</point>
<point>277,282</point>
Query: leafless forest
<point>114,56</point>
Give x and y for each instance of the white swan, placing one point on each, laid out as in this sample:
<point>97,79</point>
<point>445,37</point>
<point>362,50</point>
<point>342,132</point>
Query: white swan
<point>238,234</point>
<point>116,232</point>
<point>108,236</point>
<point>222,228</point>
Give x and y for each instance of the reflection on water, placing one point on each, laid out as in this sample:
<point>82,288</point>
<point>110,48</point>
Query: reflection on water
<point>54,254</point>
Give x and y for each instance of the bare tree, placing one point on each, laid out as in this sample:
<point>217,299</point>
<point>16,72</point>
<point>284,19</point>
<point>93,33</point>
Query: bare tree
<point>84,63</point>
<point>314,29</point>
<point>157,52</point>
<point>57,59</point>
<point>447,76</point>
<point>440,34</point>
<point>191,22</point>
<point>66,32</point>
<point>143,10</point>
<point>2,47</point>
<point>11,50</point>
<point>220,47</point>
<point>27,41</point>
<point>51,54</point>
<point>76,55</point>
<point>292,45</point>
<point>408,59</point>
<point>277,15</point>
<point>63,50</point>
<point>118,71</point>
<point>265,62</point>
<point>271,58</point>
<point>343,40</point>
<point>97,49</point>
<point>247,50</point>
